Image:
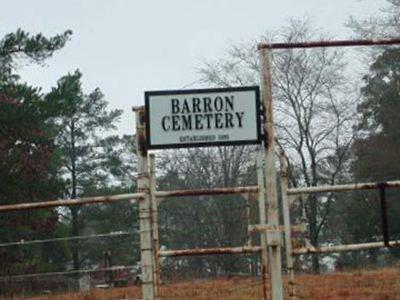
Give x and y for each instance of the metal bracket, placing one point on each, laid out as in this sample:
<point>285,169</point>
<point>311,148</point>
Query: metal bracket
<point>274,237</point>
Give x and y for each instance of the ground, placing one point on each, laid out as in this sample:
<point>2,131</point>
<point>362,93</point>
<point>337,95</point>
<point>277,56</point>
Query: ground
<point>383,284</point>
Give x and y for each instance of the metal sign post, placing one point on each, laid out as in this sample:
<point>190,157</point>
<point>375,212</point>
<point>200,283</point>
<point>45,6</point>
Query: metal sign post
<point>262,220</point>
<point>273,234</point>
<point>154,220</point>
<point>286,222</point>
<point>145,213</point>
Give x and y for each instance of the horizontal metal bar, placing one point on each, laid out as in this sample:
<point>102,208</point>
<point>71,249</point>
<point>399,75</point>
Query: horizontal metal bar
<point>335,43</point>
<point>209,251</point>
<point>343,248</point>
<point>343,187</point>
<point>122,197</point>
<point>70,202</point>
<point>204,192</point>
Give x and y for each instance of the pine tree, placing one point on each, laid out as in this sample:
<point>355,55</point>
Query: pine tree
<point>28,160</point>
<point>86,153</point>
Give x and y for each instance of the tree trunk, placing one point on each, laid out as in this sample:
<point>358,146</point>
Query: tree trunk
<point>75,232</point>
<point>74,210</point>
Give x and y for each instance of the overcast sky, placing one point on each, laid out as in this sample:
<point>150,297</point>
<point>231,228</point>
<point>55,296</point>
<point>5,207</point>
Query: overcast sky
<point>126,47</point>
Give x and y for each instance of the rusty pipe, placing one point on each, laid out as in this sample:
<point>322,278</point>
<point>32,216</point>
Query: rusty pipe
<point>70,202</point>
<point>205,192</point>
<point>344,248</point>
<point>209,251</point>
<point>342,187</point>
<point>325,44</point>
<point>122,197</point>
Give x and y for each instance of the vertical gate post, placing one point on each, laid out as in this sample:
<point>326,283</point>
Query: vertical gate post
<point>154,218</point>
<point>262,221</point>
<point>273,234</point>
<point>143,185</point>
<point>286,223</point>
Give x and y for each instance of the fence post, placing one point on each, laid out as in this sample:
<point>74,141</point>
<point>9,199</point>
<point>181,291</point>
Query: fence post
<point>143,185</point>
<point>286,223</point>
<point>262,221</point>
<point>273,233</point>
<point>154,218</point>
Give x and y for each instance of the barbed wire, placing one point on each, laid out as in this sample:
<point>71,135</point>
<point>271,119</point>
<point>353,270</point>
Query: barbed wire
<point>71,272</point>
<point>71,238</point>
<point>226,211</point>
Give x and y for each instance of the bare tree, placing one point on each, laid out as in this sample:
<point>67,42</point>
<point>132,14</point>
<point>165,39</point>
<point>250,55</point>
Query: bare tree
<point>313,105</point>
<point>209,221</point>
<point>386,24</point>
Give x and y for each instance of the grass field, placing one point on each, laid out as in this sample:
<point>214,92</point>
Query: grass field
<point>378,285</point>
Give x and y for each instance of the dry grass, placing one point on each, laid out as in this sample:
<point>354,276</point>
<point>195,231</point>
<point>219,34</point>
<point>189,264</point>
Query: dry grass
<point>369,285</point>
<point>117,293</point>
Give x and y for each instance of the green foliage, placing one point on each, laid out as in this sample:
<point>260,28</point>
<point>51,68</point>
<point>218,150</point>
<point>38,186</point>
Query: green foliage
<point>377,150</point>
<point>21,45</point>
<point>86,155</point>
<point>92,162</point>
<point>378,153</point>
<point>376,156</point>
<point>54,146</point>
<point>28,159</point>
<point>26,146</point>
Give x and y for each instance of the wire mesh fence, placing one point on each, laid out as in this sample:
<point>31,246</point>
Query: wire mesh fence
<point>39,259</point>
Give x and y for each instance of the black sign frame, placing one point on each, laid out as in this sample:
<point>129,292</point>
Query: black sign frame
<point>148,94</point>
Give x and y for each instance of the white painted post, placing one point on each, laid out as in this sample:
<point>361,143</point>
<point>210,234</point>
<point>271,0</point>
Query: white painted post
<point>248,197</point>
<point>286,223</point>
<point>154,218</point>
<point>143,185</point>
<point>273,234</point>
<point>262,221</point>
